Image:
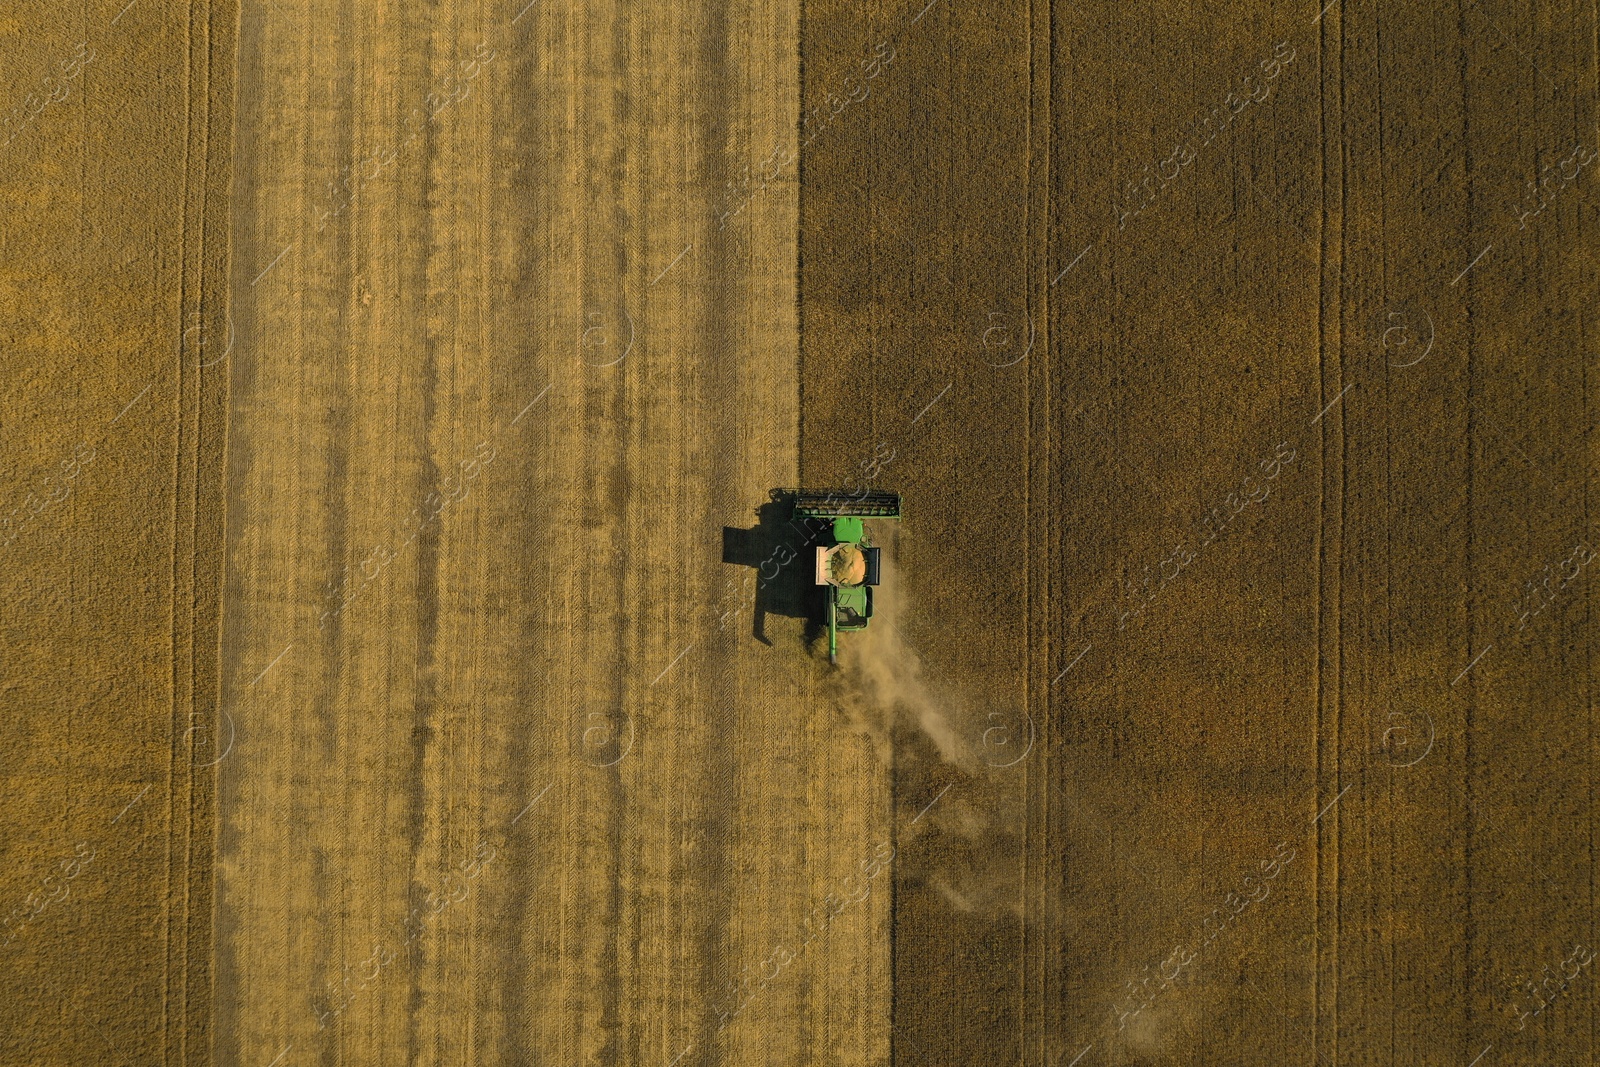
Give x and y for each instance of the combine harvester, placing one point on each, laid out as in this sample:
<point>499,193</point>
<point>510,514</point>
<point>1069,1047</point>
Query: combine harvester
<point>847,561</point>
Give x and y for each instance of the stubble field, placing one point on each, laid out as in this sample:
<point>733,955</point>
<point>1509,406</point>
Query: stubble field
<point>405,658</point>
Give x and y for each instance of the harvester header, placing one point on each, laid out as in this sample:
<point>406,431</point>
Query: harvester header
<point>833,503</point>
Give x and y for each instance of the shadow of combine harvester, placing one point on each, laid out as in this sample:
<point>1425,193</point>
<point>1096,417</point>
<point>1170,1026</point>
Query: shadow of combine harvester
<point>796,533</point>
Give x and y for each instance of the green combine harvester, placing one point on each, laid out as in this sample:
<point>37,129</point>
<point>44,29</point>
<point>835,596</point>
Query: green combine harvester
<point>847,561</point>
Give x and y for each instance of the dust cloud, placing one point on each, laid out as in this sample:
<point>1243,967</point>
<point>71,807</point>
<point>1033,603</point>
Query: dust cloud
<point>951,760</point>
<point>882,684</point>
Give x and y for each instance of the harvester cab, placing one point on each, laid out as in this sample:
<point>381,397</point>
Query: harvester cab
<point>847,563</point>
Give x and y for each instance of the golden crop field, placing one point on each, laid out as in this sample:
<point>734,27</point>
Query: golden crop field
<point>412,655</point>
